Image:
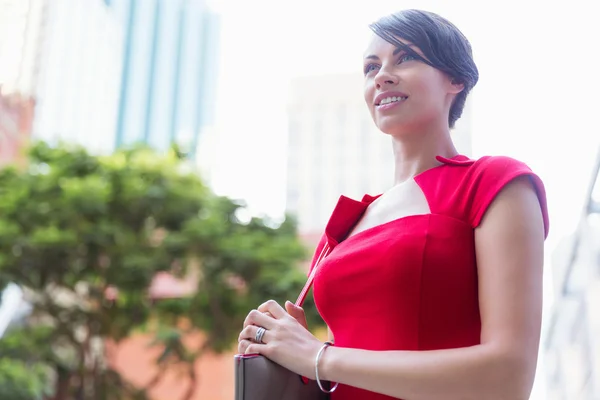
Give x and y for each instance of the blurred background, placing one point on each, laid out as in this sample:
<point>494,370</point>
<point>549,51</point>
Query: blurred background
<point>262,101</point>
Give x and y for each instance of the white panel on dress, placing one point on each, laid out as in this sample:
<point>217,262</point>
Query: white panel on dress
<point>403,200</point>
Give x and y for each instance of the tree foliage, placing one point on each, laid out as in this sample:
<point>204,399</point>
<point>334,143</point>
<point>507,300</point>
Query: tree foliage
<point>85,236</point>
<point>23,381</point>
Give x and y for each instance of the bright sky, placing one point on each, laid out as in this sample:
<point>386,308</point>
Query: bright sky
<point>537,98</point>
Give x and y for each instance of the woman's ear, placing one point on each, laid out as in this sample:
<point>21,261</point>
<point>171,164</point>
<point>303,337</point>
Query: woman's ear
<point>457,86</point>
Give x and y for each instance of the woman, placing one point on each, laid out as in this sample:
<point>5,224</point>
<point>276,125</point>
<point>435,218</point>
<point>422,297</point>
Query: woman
<point>432,290</point>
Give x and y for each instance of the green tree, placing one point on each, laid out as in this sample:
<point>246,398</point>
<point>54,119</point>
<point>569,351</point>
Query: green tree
<point>85,235</point>
<point>23,381</point>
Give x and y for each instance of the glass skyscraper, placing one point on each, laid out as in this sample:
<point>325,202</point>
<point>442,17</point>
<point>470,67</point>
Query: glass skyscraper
<point>115,72</point>
<point>169,71</point>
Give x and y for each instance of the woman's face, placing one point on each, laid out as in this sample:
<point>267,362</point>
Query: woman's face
<point>403,94</point>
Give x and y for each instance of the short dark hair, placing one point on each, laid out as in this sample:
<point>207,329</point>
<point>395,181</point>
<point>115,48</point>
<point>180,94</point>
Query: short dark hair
<point>442,43</point>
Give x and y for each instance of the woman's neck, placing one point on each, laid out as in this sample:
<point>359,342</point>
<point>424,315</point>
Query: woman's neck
<point>416,153</point>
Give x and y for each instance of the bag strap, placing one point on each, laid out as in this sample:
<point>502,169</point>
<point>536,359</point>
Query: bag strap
<point>324,253</point>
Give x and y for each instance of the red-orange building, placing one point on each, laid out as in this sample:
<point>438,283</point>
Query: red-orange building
<point>16,121</point>
<point>136,363</point>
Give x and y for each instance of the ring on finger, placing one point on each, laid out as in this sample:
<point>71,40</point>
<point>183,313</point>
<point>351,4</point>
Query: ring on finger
<point>260,332</point>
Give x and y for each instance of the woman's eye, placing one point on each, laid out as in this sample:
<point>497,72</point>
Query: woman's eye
<point>406,57</point>
<point>370,68</point>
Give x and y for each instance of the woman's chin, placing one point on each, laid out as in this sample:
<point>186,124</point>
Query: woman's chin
<point>394,130</point>
<point>401,127</point>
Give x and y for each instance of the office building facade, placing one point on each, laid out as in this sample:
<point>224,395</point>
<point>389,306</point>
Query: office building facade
<point>572,346</point>
<point>169,72</point>
<point>118,72</point>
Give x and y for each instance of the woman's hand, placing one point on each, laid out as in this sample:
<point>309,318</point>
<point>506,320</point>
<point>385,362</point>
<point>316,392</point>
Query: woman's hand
<point>296,312</point>
<point>286,341</point>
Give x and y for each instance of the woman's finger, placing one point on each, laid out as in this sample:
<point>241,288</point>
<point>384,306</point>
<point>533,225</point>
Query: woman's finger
<point>249,333</point>
<point>274,308</point>
<point>243,345</point>
<point>255,348</point>
<point>258,318</point>
<point>297,313</point>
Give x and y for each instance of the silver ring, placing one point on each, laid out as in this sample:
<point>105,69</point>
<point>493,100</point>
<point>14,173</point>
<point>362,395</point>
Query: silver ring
<point>259,335</point>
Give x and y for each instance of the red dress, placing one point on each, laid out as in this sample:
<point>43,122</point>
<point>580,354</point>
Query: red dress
<point>411,283</point>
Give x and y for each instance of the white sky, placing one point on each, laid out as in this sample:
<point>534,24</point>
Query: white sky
<point>537,98</point>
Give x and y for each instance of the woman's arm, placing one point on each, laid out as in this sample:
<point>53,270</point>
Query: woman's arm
<point>509,251</point>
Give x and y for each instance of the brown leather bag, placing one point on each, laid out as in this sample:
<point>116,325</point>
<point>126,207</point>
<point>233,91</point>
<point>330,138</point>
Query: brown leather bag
<point>258,378</point>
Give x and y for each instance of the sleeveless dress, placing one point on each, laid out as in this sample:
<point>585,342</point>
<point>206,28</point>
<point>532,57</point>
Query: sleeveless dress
<point>411,283</point>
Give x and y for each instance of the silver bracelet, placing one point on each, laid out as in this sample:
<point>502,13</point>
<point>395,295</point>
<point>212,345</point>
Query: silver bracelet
<point>319,354</point>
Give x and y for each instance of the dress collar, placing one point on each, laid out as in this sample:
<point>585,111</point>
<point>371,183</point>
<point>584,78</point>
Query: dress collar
<point>348,212</point>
